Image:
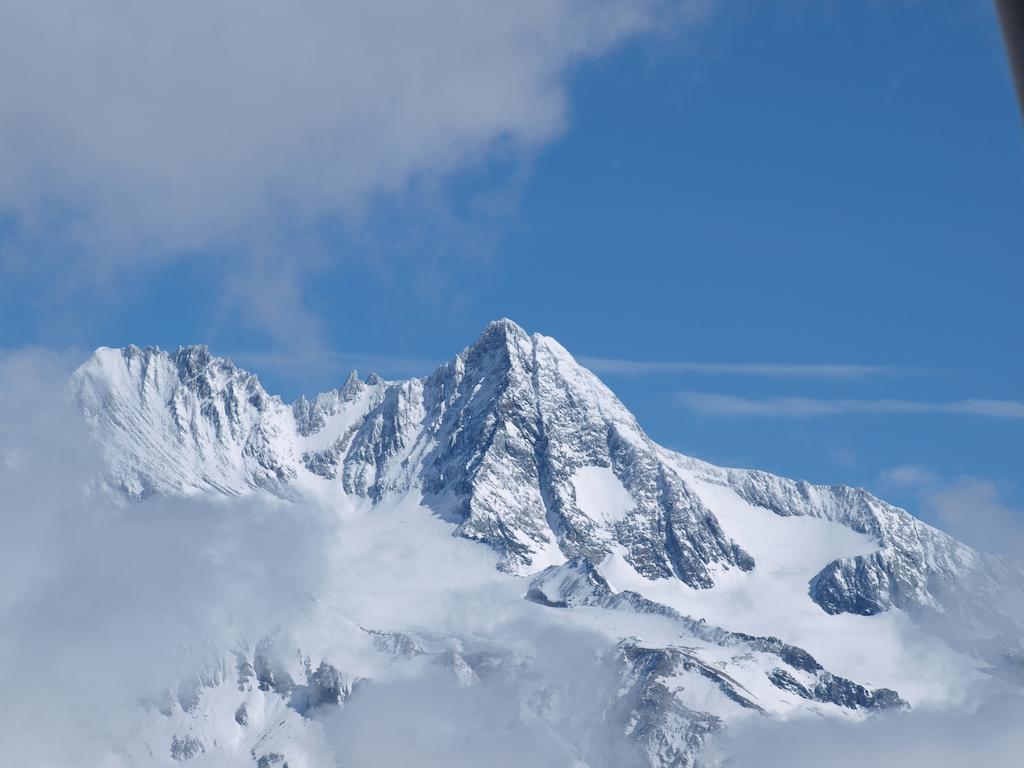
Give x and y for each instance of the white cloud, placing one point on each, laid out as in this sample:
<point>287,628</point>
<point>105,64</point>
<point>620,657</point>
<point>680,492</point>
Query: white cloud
<point>132,133</point>
<point>973,510</point>
<point>910,476</point>
<point>194,119</point>
<point>804,407</point>
<point>431,721</point>
<point>607,365</point>
<point>989,736</point>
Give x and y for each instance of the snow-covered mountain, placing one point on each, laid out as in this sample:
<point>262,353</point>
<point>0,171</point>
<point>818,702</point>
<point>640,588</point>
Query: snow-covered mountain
<point>721,594</point>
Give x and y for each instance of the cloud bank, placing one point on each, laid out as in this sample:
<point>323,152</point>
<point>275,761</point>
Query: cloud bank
<point>154,127</point>
<point>989,736</point>
<point>260,140</point>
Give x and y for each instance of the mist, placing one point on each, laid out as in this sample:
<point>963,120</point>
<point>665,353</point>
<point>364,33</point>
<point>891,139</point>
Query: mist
<point>989,735</point>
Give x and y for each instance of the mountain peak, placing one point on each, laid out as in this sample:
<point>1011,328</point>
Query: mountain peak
<point>531,453</point>
<point>193,359</point>
<point>505,327</point>
<point>515,445</point>
<point>498,335</point>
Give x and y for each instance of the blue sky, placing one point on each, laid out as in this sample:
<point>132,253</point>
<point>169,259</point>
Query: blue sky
<point>806,215</point>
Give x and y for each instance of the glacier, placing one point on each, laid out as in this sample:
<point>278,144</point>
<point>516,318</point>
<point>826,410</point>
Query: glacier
<point>512,483</point>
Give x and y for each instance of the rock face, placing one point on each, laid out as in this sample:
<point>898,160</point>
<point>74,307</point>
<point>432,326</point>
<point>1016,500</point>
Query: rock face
<point>524,450</point>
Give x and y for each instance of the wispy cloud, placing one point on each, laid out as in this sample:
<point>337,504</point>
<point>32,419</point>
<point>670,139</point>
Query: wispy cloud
<point>806,407</point>
<point>607,365</point>
<point>910,476</point>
